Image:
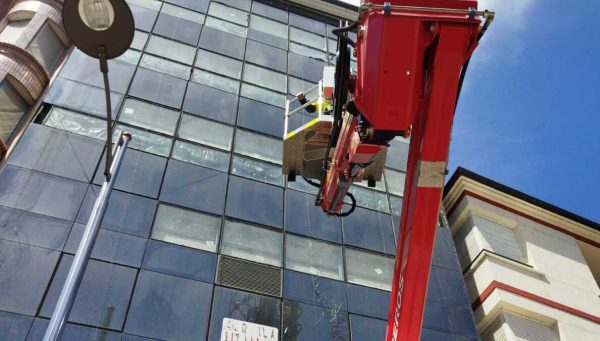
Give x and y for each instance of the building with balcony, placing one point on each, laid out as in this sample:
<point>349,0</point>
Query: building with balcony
<point>532,270</point>
<point>202,228</point>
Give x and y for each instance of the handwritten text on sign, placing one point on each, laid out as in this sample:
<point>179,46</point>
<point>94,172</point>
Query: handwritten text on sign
<point>236,330</point>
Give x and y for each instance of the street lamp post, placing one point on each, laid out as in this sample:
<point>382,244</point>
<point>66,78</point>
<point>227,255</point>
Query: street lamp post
<point>102,29</point>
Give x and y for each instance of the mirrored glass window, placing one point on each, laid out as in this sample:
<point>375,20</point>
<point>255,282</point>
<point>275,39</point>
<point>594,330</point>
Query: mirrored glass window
<point>216,81</point>
<point>264,77</point>
<point>209,102</point>
<point>182,13</point>
<point>270,11</point>
<point>222,42</point>
<point>226,26</point>
<point>307,24</point>
<point>369,269</point>
<point>308,52</point>
<point>13,30</point>
<point>218,63</point>
<point>166,66</point>
<point>207,132</point>
<point>307,38</point>
<point>195,5</point>
<point>258,146</point>
<point>260,117</point>
<point>139,40</point>
<point>76,123</point>
<point>78,96</point>
<point>269,26</point>
<point>146,141</point>
<point>262,95</point>
<point>158,87</point>
<point>313,257</point>
<point>256,170</point>
<point>146,115</point>
<point>171,49</point>
<point>252,243</point>
<point>202,156</point>
<point>228,13</point>
<point>130,57</point>
<point>46,47</point>
<point>150,4</point>
<point>12,108</point>
<point>395,181</point>
<point>265,55</point>
<point>370,199</point>
<point>185,227</point>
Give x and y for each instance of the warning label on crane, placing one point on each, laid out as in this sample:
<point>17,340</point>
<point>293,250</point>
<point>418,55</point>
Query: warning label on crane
<point>236,330</point>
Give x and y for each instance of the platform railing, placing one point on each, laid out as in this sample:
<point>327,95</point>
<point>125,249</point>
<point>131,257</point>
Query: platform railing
<point>288,113</point>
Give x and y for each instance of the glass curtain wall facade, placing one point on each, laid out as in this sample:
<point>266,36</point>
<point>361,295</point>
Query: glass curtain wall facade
<point>202,225</point>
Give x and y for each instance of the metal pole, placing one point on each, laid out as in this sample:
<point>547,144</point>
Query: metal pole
<point>82,256</point>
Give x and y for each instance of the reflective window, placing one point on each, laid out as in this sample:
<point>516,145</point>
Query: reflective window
<point>395,182</point>
<point>46,47</point>
<point>169,308</point>
<point>174,27</point>
<point>370,199</point>
<point>102,298</point>
<point>366,328</point>
<point>254,201</point>
<point>314,290</point>
<point>158,87</point>
<point>146,141</point>
<point>143,17</point>
<point>13,30</point>
<point>296,85</point>
<point>304,217</point>
<point>258,146</point>
<point>195,187</point>
<point>26,271</point>
<point>266,78</point>
<point>202,156</point>
<point>308,24</point>
<point>171,50</point>
<point>216,81</point>
<point>265,55</point>
<point>305,67</point>
<point>332,45</point>
<point>256,170</point>
<point>209,102</point>
<point>184,227</point>
<point>308,52</point>
<point>11,110</point>
<point>83,68</point>
<point>370,230</point>
<point>307,38</point>
<point>146,115</point>
<point>218,63</point>
<point>33,229</point>
<point>222,42</point>
<point>180,261</point>
<point>241,4</point>
<point>228,13</point>
<point>81,97</point>
<point>207,132</point>
<point>196,5</point>
<point>139,40</point>
<point>313,257</point>
<point>369,269</point>
<point>226,26</point>
<point>368,301</point>
<point>252,243</point>
<point>306,322</point>
<point>263,95</point>
<point>130,57</point>
<point>270,11</point>
<point>260,117</point>
<point>182,13</point>
<point>165,66</point>
<point>379,185</point>
<point>271,27</point>
<point>14,326</point>
<point>397,154</point>
<point>72,332</point>
<point>150,4</point>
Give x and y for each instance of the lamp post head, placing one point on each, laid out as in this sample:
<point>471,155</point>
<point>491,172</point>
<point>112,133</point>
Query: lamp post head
<point>98,15</point>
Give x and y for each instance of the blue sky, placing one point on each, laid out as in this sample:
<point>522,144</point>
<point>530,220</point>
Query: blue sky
<point>529,113</point>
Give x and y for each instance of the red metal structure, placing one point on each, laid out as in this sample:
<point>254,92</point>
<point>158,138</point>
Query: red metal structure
<point>412,56</point>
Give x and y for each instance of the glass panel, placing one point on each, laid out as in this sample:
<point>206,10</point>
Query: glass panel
<point>228,13</point>
<point>77,96</point>
<point>308,52</point>
<point>188,228</point>
<point>13,30</point>
<point>366,328</point>
<point>178,29</point>
<point>166,66</point>
<point>130,57</point>
<point>296,85</point>
<point>313,257</point>
<point>332,45</point>
<point>308,24</point>
<point>171,50</point>
<point>395,181</point>
<point>195,187</point>
<point>305,67</point>
<point>241,4</point>
<point>158,87</point>
<point>304,217</point>
<point>369,269</point>
<point>257,170</point>
<point>169,308</point>
<point>143,17</point>
<point>314,290</point>
<point>269,26</point>
<point>368,301</point>
<point>139,40</point>
<point>270,11</point>
<point>255,201</point>
<point>262,95</point>
<point>149,116</point>
<point>45,47</point>
<point>265,55</point>
<point>397,154</point>
<point>196,5</point>
<point>26,272</point>
<point>303,322</point>
<point>72,332</point>
<point>258,146</point>
<point>180,261</point>
<point>182,13</point>
<point>150,4</point>
<point>252,243</point>
<point>218,63</point>
<point>12,108</point>
<point>14,326</point>
<point>146,141</point>
<point>225,26</point>
<point>370,199</point>
<point>266,78</point>
<point>370,230</point>
<point>260,117</point>
<point>201,156</point>
<point>33,229</point>
<point>222,42</point>
<point>216,81</point>
<point>206,132</point>
<point>102,298</point>
<point>307,38</point>
<point>379,185</point>
<point>209,102</point>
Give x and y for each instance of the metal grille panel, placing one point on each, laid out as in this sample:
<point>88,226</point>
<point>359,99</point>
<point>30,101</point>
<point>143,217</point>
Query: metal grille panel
<point>250,276</point>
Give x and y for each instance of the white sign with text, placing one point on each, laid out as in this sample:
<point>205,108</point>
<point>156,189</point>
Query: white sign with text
<point>236,330</point>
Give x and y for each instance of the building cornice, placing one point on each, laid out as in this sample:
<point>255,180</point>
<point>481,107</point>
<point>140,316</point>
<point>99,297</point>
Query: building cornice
<point>466,183</point>
<point>333,8</point>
